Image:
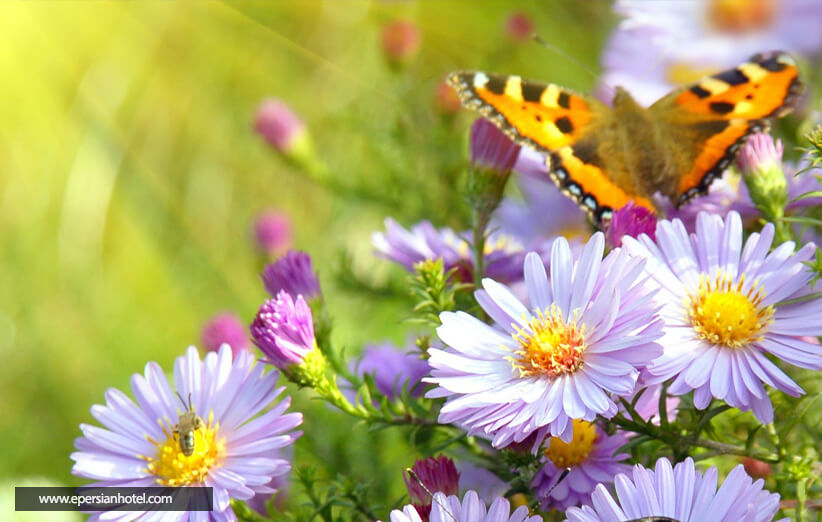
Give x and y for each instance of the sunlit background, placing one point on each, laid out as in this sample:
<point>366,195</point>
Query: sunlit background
<point>130,178</point>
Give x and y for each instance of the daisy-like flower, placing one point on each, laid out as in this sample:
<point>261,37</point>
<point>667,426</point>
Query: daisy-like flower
<point>470,509</point>
<point>723,313</point>
<point>591,458</point>
<point>503,261</point>
<point>681,493</point>
<point>586,333</point>
<point>659,45</point>
<point>237,456</point>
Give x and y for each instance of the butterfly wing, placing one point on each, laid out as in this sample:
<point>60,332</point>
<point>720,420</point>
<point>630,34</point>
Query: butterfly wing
<point>555,121</point>
<point>711,119</point>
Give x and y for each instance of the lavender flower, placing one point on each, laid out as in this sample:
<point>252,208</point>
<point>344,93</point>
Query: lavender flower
<point>284,330</point>
<point>234,454</point>
<point>503,260</point>
<point>393,370</point>
<point>470,509</point>
<point>225,328</point>
<point>663,44</point>
<point>591,458</point>
<point>721,303</point>
<point>292,274</point>
<point>680,493</point>
<point>587,333</point>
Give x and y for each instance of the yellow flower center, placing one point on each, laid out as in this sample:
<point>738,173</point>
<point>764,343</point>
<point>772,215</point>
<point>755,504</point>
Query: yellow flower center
<point>173,468</point>
<point>570,454</point>
<point>725,314</point>
<point>682,73</point>
<point>551,346</point>
<point>740,16</point>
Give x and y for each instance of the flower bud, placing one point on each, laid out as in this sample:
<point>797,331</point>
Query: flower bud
<point>293,274</point>
<point>272,230</point>
<point>431,475</point>
<point>631,220</point>
<point>519,27</point>
<point>283,129</point>
<point>760,162</point>
<point>446,99</point>
<point>225,328</point>
<point>401,41</point>
<point>757,468</point>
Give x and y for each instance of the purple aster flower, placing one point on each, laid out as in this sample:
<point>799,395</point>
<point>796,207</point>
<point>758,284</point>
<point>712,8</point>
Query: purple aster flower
<point>663,44</point>
<point>491,149</point>
<point>234,454</point>
<point>591,458</point>
<point>272,230</point>
<point>401,41</point>
<point>280,126</point>
<point>292,274</point>
<point>225,328</point>
<point>721,303</point>
<point>471,509</point>
<point>542,214</point>
<point>630,220</point>
<point>430,475</point>
<point>681,493</point>
<point>393,370</point>
<point>487,485</point>
<point>585,334</point>
<point>503,260</point>
<point>284,330</point>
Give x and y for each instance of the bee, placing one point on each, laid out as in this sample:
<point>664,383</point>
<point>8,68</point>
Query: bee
<point>188,423</point>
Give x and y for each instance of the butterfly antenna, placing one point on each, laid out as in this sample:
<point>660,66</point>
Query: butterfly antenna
<point>553,48</point>
<point>561,477</point>
<point>417,479</point>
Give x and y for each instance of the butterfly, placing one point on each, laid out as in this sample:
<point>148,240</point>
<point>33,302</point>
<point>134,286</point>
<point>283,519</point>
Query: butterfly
<point>603,157</point>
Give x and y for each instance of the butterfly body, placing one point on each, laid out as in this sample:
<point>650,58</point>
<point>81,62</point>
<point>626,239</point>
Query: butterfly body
<point>603,157</point>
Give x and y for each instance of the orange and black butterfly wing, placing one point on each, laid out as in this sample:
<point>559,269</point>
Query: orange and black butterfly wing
<point>552,120</point>
<point>714,117</point>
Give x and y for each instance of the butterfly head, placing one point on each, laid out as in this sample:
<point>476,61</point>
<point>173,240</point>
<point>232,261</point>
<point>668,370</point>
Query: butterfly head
<point>623,99</point>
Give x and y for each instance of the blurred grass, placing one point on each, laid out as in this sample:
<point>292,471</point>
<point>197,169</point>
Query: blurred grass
<point>129,177</point>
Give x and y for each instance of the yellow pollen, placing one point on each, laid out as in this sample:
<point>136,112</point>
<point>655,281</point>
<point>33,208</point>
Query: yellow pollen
<point>567,455</point>
<point>724,313</point>
<point>550,346</point>
<point>741,16</point>
<point>172,468</point>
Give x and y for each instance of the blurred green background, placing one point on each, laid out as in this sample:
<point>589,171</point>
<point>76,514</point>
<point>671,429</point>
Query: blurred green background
<point>130,176</point>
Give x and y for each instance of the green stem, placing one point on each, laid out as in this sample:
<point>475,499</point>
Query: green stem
<point>801,499</point>
<point>480,224</point>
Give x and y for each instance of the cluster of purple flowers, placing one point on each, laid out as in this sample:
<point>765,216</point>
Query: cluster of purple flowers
<point>571,325</point>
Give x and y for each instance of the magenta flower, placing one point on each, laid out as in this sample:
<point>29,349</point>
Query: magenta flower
<point>631,220</point>
<point>681,493</point>
<point>284,330</point>
<point>272,230</point>
<point>491,149</point>
<point>721,303</point>
<point>293,274</point>
<point>431,475</point>
<point>760,153</point>
<point>225,328</point>
<point>237,450</point>
<point>519,27</point>
<point>586,334</point>
<point>279,125</point>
